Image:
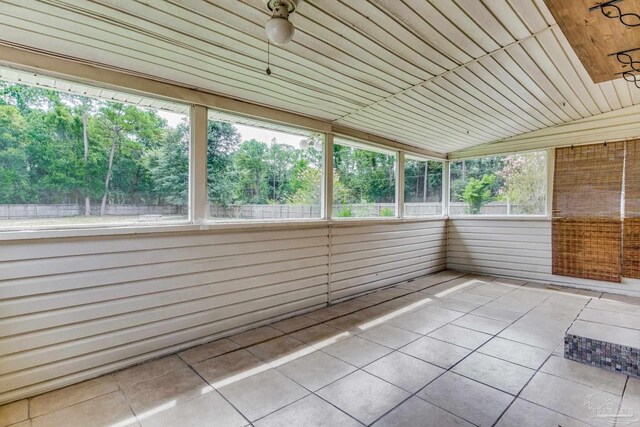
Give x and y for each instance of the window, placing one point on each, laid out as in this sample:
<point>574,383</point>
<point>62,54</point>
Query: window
<point>513,184</point>
<point>364,181</point>
<point>261,171</point>
<point>72,154</point>
<point>422,187</point>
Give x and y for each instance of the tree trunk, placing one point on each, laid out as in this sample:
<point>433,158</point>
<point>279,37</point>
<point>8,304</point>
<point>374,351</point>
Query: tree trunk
<point>103,205</point>
<point>426,182</point>
<point>258,185</point>
<point>87,201</point>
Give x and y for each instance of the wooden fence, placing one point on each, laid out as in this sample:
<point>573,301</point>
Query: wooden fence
<point>249,212</point>
<point>22,211</point>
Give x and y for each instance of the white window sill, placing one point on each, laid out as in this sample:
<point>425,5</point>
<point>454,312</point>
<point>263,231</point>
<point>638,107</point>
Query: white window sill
<point>106,230</point>
<point>503,217</point>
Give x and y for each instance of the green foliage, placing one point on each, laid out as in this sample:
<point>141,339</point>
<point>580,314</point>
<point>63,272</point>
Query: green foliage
<point>462,171</point>
<point>477,193</point>
<point>362,176</point>
<point>387,212</point>
<point>525,182</point>
<point>345,212</point>
<point>169,166</point>
<point>415,172</point>
<point>307,183</point>
<point>222,140</point>
<point>519,180</point>
<point>251,167</point>
<point>134,157</point>
<point>14,171</point>
<point>42,154</point>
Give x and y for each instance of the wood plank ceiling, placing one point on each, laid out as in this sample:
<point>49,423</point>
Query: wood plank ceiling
<point>440,74</point>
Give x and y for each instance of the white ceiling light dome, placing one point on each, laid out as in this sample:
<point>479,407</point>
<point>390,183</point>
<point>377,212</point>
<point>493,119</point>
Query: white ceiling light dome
<point>279,29</point>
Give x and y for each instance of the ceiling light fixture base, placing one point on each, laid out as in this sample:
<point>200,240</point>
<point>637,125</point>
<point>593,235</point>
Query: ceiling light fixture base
<point>290,5</point>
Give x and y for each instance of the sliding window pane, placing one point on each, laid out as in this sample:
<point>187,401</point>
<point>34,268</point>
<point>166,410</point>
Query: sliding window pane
<point>514,184</point>
<point>68,159</point>
<point>422,187</point>
<point>260,171</point>
<point>364,181</point>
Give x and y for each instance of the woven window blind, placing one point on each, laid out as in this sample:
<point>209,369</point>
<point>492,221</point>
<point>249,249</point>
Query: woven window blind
<point>586,221</point>
<point>631,236</point>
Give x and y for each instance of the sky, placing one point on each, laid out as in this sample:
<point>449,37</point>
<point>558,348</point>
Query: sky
<point>246,132</point>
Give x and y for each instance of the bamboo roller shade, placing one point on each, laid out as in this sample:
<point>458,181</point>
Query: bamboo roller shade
<point>586,221</point>
<point>631,237</point>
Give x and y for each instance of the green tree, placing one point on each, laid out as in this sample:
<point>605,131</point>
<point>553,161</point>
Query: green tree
<point>477,193</point>
<point>308,183</point>
<point>463,170</point>
<point>365,176</point>
<point>61,148</point>
<point>169,166</point>
<point>251,166</point>
<point>27,98</point>
<point>281,161</point>
<point>14,170</point>
<point>52,146</point>
<point>525,181</point>
<point>423,181</point>
<point>222,140</point>
<point>129,132</point>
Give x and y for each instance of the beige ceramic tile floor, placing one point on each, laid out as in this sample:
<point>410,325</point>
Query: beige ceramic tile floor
<point>443,350</point>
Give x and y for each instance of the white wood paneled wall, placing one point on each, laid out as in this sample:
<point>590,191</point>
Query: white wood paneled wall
<point>513,247</point>
<point>370,257</point>
<point>75,308</point>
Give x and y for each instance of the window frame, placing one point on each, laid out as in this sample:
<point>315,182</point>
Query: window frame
<point>399,183</point>
<point>252,222</point>
<point>443,185</point>
<point>549,163</point>
<point>12,232</point>
<point>111,80</point>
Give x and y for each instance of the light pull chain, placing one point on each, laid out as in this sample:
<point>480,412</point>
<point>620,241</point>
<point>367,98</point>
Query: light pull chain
<point>268,57</point>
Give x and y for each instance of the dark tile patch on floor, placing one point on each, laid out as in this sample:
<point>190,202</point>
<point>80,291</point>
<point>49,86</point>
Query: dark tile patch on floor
<point>614,357</point>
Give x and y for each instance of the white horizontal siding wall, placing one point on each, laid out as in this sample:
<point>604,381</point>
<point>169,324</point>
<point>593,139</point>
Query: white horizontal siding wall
<point>513,247</point>
<point>364,258</point>
<point>75,308</point>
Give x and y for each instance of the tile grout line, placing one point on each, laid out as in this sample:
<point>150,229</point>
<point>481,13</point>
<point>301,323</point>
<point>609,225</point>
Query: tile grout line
<point>529,381</point>
<point>517,396</point>
<point>476,350</point>
<point>624,390</point>
<point>415,394</point>
<point>215,390</point>
<point>29,399</point>
<point>297,330</point>
<point>121,390</point>
<point>392,349</point>
<point>259,342</point>
<point>373,361</point>
<point>241,347</point>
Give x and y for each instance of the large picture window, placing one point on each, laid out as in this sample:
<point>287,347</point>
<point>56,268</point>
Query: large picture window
<point>514,184</point>
<point>73,154</point>
<point>364,181</point>
<point>260,171</point>
<point>422,187</point>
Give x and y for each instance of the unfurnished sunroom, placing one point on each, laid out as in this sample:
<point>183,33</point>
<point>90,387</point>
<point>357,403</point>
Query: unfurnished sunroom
<point>319,213</point>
